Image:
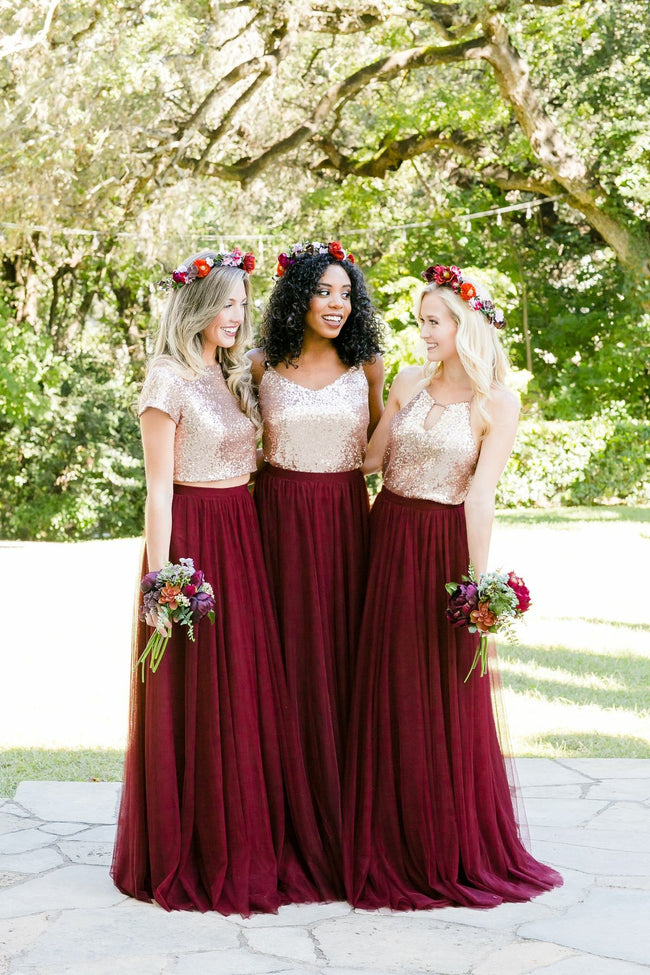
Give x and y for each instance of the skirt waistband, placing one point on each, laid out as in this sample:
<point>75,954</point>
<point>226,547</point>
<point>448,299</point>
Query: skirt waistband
<point>420,504</point>
<point>210,494</point>
<point>336,477</point>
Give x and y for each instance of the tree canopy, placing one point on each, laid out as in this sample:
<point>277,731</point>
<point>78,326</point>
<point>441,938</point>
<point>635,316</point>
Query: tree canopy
<point>135,132</point>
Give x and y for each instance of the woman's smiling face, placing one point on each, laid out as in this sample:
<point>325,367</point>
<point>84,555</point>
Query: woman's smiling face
<point>331,305</point>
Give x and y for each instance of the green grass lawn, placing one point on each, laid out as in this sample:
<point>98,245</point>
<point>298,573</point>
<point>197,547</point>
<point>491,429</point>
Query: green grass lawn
<point>577,684</point>
<point>61,765</point>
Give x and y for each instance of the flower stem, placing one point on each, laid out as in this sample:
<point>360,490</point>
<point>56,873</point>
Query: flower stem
<point>481,654</point>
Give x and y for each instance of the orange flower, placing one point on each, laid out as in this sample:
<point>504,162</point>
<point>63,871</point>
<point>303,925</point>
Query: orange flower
<point>483,618</point>
<point>168,595</point>
<point>202,268</point>
<point>467,291</point>
<point>279,271</point>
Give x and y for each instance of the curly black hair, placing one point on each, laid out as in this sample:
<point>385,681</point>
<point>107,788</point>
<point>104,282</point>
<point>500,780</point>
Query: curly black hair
<point>283,325</point>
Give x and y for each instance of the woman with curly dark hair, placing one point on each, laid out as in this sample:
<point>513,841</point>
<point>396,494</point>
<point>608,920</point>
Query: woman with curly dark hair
<point>320,379</point>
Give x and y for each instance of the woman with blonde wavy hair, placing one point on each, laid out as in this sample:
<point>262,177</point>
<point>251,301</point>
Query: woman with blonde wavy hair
<point>428,814</point>
<point>204,821</point>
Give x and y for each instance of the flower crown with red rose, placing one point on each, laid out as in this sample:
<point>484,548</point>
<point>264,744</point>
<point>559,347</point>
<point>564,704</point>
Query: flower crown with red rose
<point>201,267</point>
<point>452,277</point>
<point>310,248</point>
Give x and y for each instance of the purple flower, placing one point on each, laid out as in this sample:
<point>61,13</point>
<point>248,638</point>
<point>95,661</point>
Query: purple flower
<point>149,603</point>
<point>201,605</point>
<point>197,579</point>
<point>149,582</point>
<point>462,601</point>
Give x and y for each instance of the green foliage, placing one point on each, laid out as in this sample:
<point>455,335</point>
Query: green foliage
<point>58,764</point>
<point>601,460</point>
<point>106,148</point>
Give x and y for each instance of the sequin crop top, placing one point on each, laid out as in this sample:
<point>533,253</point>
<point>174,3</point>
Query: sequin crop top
<point>435,464</point>
<point>214,439</point>
<point>315,430</point>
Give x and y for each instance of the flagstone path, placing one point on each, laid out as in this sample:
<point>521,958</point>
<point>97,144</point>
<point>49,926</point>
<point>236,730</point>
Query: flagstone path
<point>590,818</point>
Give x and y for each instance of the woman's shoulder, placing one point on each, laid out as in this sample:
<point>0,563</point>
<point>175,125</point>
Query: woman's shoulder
<point>258,364</point>
<point>408,378</point>
<point>503,401</point>
<point>374,369</point>
<point>164,368</point>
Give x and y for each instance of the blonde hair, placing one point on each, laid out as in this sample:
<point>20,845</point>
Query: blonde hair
<point>477,343</point>
<point>188,312</point>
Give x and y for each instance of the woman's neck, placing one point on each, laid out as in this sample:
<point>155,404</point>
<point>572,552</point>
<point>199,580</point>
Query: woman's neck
<point>452,377</point>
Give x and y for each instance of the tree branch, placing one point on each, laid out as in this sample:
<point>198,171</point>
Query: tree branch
<point>627,236</point>
<point>385,69</point>
<point>16,43</point>
<point>391,157</point>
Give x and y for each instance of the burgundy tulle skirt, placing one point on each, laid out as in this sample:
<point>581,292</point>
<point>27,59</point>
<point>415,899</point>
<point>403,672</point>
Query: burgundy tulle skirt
<point>315,535</point>
<point>429,816</point>
<point>215,811</point>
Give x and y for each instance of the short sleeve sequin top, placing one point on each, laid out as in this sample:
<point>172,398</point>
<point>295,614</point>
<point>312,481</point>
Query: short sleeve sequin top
<point>435,464</point>
<point>315,430</point>
<point>214,439</point>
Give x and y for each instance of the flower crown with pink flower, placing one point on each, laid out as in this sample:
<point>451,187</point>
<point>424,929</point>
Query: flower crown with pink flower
<point>452,277</point>
<point>310,248</point>
<point>201,267</point>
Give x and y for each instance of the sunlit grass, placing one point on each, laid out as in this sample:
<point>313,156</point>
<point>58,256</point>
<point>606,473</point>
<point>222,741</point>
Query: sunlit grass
<point>62,765</point>
<point>562,517</point>
<point>578,685</point>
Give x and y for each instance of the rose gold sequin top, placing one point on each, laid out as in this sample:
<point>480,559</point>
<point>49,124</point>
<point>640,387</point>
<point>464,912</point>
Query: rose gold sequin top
<point>214,439</point>
<point>436,464</point>
<point>315,430</point>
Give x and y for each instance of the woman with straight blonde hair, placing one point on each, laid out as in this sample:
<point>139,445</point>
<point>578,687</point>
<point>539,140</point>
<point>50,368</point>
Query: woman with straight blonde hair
<point>428,814</point>
<point>204,821</point>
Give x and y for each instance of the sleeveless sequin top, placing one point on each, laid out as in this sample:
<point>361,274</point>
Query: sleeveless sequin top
<point>315,430</point>
<point>435,464</point>
<point>214,439</point>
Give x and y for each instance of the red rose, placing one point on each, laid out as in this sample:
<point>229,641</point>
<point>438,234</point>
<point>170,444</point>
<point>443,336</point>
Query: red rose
<point>336,250</point>
<point>350,258</point>
<point>445,276</point>
<point>520,589</point>
<point>248,262</point>
<point>179,277</point>
<point>202,268</point>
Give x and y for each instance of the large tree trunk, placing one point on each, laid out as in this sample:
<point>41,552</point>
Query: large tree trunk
<point>625,234</point>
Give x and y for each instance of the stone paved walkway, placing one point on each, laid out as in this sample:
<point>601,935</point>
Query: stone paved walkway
<point>60,914</point>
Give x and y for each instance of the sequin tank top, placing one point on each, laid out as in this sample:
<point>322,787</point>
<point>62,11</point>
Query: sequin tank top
<point>315,430</point>
<point>436,464</point>
<point>214,439</point>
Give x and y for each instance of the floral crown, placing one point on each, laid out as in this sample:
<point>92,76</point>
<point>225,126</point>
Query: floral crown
<point>452,277</point>
<point>310,248</point>
<point>201,267</point>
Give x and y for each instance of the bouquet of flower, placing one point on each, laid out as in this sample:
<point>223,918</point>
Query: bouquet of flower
<point>175,594</point>
<point>490,605</point>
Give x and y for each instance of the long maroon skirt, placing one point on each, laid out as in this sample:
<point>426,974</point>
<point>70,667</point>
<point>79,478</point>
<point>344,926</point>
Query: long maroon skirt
<point>428,812</point>
<point>315,535</point>
<point>204,823</point>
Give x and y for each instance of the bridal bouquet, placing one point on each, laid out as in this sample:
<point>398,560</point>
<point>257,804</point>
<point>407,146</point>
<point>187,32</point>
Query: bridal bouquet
<point>490,605</point>
<point>175,594</point>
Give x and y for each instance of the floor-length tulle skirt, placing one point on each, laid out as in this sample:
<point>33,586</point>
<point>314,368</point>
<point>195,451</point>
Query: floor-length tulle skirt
<point>205,821</point>
<point>315,535</point>
<point>429,816</point>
